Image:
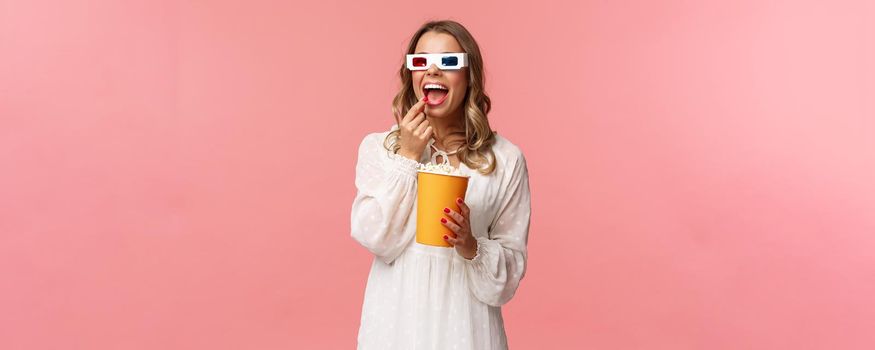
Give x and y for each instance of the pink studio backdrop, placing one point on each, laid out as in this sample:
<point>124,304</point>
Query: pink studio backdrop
<point>179,175</point>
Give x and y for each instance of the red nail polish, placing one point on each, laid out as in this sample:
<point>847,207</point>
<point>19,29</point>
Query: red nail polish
<point>443,220</point>
<point>459,200</point>
<point>445,236</point>
<point>447,210</point>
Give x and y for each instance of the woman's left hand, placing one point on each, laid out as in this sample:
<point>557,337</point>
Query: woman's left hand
<point>464,242</point>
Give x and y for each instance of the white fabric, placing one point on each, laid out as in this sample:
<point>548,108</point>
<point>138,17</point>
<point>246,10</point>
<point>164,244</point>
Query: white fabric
<point>426,297</point>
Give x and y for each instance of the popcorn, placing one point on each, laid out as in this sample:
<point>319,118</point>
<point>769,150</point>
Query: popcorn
<point>442,168</point>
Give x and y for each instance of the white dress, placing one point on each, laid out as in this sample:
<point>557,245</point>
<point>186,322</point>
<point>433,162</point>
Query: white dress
<point>427,297</point>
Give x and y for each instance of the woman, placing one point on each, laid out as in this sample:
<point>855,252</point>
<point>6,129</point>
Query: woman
<point>428,297</point>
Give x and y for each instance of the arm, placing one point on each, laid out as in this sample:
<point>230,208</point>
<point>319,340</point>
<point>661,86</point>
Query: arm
<point>500,264</point>
<point>385,198</point>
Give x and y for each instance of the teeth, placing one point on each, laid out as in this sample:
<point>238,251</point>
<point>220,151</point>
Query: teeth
<point>435,86</point>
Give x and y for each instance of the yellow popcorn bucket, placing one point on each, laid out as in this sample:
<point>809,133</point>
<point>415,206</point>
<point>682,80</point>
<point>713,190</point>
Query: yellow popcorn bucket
<point>435,192</point>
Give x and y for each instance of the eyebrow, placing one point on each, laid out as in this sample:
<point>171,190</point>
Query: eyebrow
<point>421,52</point>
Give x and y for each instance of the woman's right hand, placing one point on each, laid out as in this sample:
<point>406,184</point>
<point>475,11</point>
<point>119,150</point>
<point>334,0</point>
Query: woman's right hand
<point>415,131</point>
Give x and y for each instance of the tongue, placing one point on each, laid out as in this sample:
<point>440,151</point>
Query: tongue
<point>436,95</point>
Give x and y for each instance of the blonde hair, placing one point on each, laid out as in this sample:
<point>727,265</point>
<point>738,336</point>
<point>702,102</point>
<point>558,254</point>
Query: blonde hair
<point>479,137</point>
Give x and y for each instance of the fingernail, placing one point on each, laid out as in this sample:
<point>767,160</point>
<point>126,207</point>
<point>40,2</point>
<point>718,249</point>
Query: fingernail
<point>443,220</point>
<point>445,236</point>
<point>459,200</point>
<point>447,210</point>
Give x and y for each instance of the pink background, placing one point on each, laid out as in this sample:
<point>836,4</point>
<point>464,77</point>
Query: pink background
<point>179,175</point>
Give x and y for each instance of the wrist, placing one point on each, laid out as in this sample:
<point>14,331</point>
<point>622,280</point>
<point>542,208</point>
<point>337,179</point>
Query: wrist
<point>408,155</point>
<point>471,253</point>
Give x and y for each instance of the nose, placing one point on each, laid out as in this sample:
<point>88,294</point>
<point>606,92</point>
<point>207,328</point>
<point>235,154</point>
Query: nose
<point>433,70</point>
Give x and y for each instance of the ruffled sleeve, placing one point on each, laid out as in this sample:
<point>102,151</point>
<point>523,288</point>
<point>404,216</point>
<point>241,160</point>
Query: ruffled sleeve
<point>385,199</point>
<point>495,272</point>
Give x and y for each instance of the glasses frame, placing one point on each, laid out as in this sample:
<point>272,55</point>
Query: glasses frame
<point>437,59</point>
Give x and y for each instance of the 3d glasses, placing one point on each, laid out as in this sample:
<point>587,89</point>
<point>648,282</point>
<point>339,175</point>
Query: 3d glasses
<point>421,61</point>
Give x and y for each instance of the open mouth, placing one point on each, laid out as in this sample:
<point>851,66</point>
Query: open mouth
<point>436,93</point>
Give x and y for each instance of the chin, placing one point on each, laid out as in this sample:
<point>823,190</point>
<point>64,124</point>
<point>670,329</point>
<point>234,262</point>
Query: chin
<point>434,112</point>
<point>441,111</point>
<point>437,113</point>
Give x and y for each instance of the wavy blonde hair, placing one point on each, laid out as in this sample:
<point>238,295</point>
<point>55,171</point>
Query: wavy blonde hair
<point>479,136</point>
